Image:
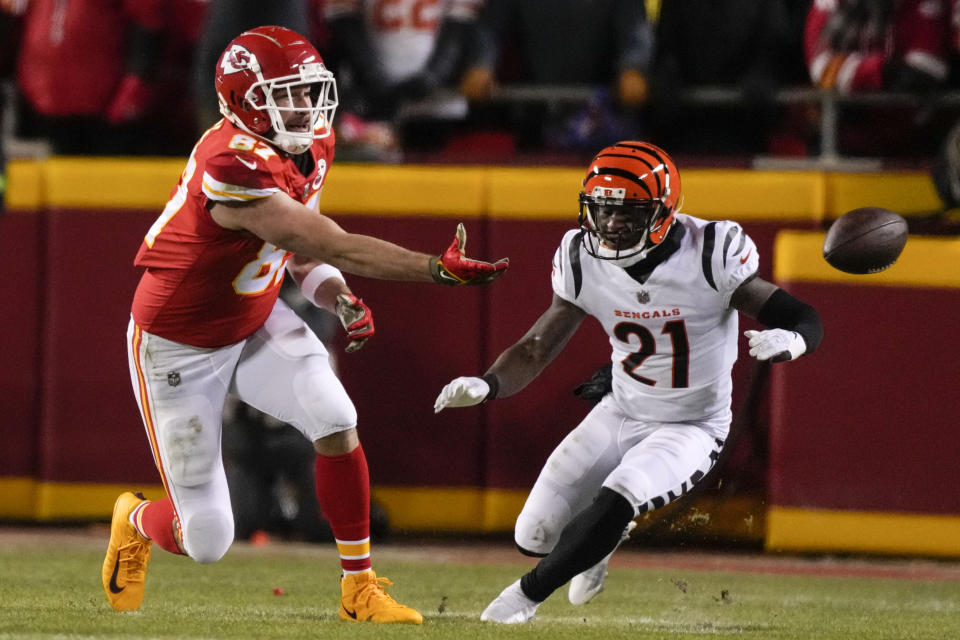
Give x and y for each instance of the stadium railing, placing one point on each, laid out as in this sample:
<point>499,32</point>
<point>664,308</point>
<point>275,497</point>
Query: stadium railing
<point>831,104</point>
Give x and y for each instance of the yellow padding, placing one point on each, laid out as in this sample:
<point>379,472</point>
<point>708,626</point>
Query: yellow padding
<point>534,193</point>
<point>926,261</point>
<point>463,509</point>
<point>753,195</point>
<point>791,529</point>
<point>24,185</point>
<point>463,192</point>
<point>405,190</point>
<point>30,499</point>
<point>19,498</point>
<point>902,192</point>
<point>110,183</point>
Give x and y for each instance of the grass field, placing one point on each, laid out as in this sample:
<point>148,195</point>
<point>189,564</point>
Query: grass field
<point>50,588</point>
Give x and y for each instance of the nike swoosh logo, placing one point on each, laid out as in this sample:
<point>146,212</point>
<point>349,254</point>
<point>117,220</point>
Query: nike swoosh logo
<point>352,614</point>
<point>744,258</point>
<point>114,587</point>
<point>250,165</point>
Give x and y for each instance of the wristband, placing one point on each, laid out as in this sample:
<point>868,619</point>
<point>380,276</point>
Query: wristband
<point>494,385</point>
<point>317,276</point>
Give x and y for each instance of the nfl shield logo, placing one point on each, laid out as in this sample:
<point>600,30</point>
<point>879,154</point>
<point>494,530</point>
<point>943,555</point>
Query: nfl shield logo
<point>643,297</point>
<point>173,378</point>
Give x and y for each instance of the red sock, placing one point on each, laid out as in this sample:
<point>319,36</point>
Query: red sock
<point>155,521</point>
<point>343,491</point>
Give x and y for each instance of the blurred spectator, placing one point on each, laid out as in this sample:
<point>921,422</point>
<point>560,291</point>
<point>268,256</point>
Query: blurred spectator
<point>11,22</point>
<point>85,71</point>
<point>604,43</point>
<point>224,20</point>
<point>863,45</point>
<point>746,45</point>
<point>954,45</point>
<point>171,133</point>
<point>946,179</point>
<point>392,56</point>
<point>855,46</point>
<point>946,171</point>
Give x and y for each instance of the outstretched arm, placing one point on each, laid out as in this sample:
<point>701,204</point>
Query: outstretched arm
<point>286,223</point>
<point>796,327</point>
<point>520,363</point>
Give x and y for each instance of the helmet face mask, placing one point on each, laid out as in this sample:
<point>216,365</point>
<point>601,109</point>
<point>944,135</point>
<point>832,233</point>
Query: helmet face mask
<point>273,84</point>
<point>618,229</point>
<point>630,194</point>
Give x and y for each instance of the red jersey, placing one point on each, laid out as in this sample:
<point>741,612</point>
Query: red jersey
<point>205,285</point>
<point>918,35</point>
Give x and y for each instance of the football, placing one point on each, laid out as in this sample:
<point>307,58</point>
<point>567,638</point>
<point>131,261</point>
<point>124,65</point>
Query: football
<point>865,240</point>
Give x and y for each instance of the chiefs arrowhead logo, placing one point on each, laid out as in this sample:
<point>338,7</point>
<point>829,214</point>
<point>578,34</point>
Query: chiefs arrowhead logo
<point>237,59</point>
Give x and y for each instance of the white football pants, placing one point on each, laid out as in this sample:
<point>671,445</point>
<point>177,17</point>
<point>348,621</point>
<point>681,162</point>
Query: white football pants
<point>648,463</point>
<point>283,370</point>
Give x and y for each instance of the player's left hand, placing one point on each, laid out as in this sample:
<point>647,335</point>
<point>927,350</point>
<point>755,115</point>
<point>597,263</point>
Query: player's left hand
<point>462,392</point>
<point>356,318</point>
<point>453,267</point>
<point>775,345</point>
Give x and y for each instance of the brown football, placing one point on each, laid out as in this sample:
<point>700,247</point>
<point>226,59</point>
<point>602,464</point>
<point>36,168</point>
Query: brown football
<point>865,240</point>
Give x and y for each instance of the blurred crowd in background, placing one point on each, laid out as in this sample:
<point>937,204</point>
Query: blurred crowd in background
<point>494,80</point>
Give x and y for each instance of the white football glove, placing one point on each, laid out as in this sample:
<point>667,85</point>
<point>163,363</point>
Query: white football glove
<point>462,392</point>
<point>775,345</point>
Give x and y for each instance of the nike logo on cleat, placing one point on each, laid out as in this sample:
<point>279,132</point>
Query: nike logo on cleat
<point>114,587</point>
<point>352,614</point>
<point>743,260</point>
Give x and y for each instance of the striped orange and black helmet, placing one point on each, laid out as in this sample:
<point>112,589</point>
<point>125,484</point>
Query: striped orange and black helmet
<point>638,185</point>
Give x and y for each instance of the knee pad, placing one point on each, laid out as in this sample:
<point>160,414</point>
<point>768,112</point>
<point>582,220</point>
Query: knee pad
<point>537,535</point>
<point>324,405</point>
<point>632,484</point>
<point>207,535</point>
<point>192,447</point>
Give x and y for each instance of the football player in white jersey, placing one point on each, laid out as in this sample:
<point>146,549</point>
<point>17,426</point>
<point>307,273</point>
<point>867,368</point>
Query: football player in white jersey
<point>666,287</point>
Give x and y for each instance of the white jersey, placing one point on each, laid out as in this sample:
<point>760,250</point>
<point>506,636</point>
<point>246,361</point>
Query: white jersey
<point>403,33</point>
<point>672,331</point>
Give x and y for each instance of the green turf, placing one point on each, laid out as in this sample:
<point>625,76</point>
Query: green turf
<point>52,590</point>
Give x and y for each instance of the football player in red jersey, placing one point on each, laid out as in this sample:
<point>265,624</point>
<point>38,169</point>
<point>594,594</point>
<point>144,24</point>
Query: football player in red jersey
<point>666,287</point>
<point>206,319</point>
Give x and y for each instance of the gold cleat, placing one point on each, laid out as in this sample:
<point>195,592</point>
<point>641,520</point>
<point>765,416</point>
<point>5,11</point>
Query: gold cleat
<point>363,598</point>
<point>125,567</point>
